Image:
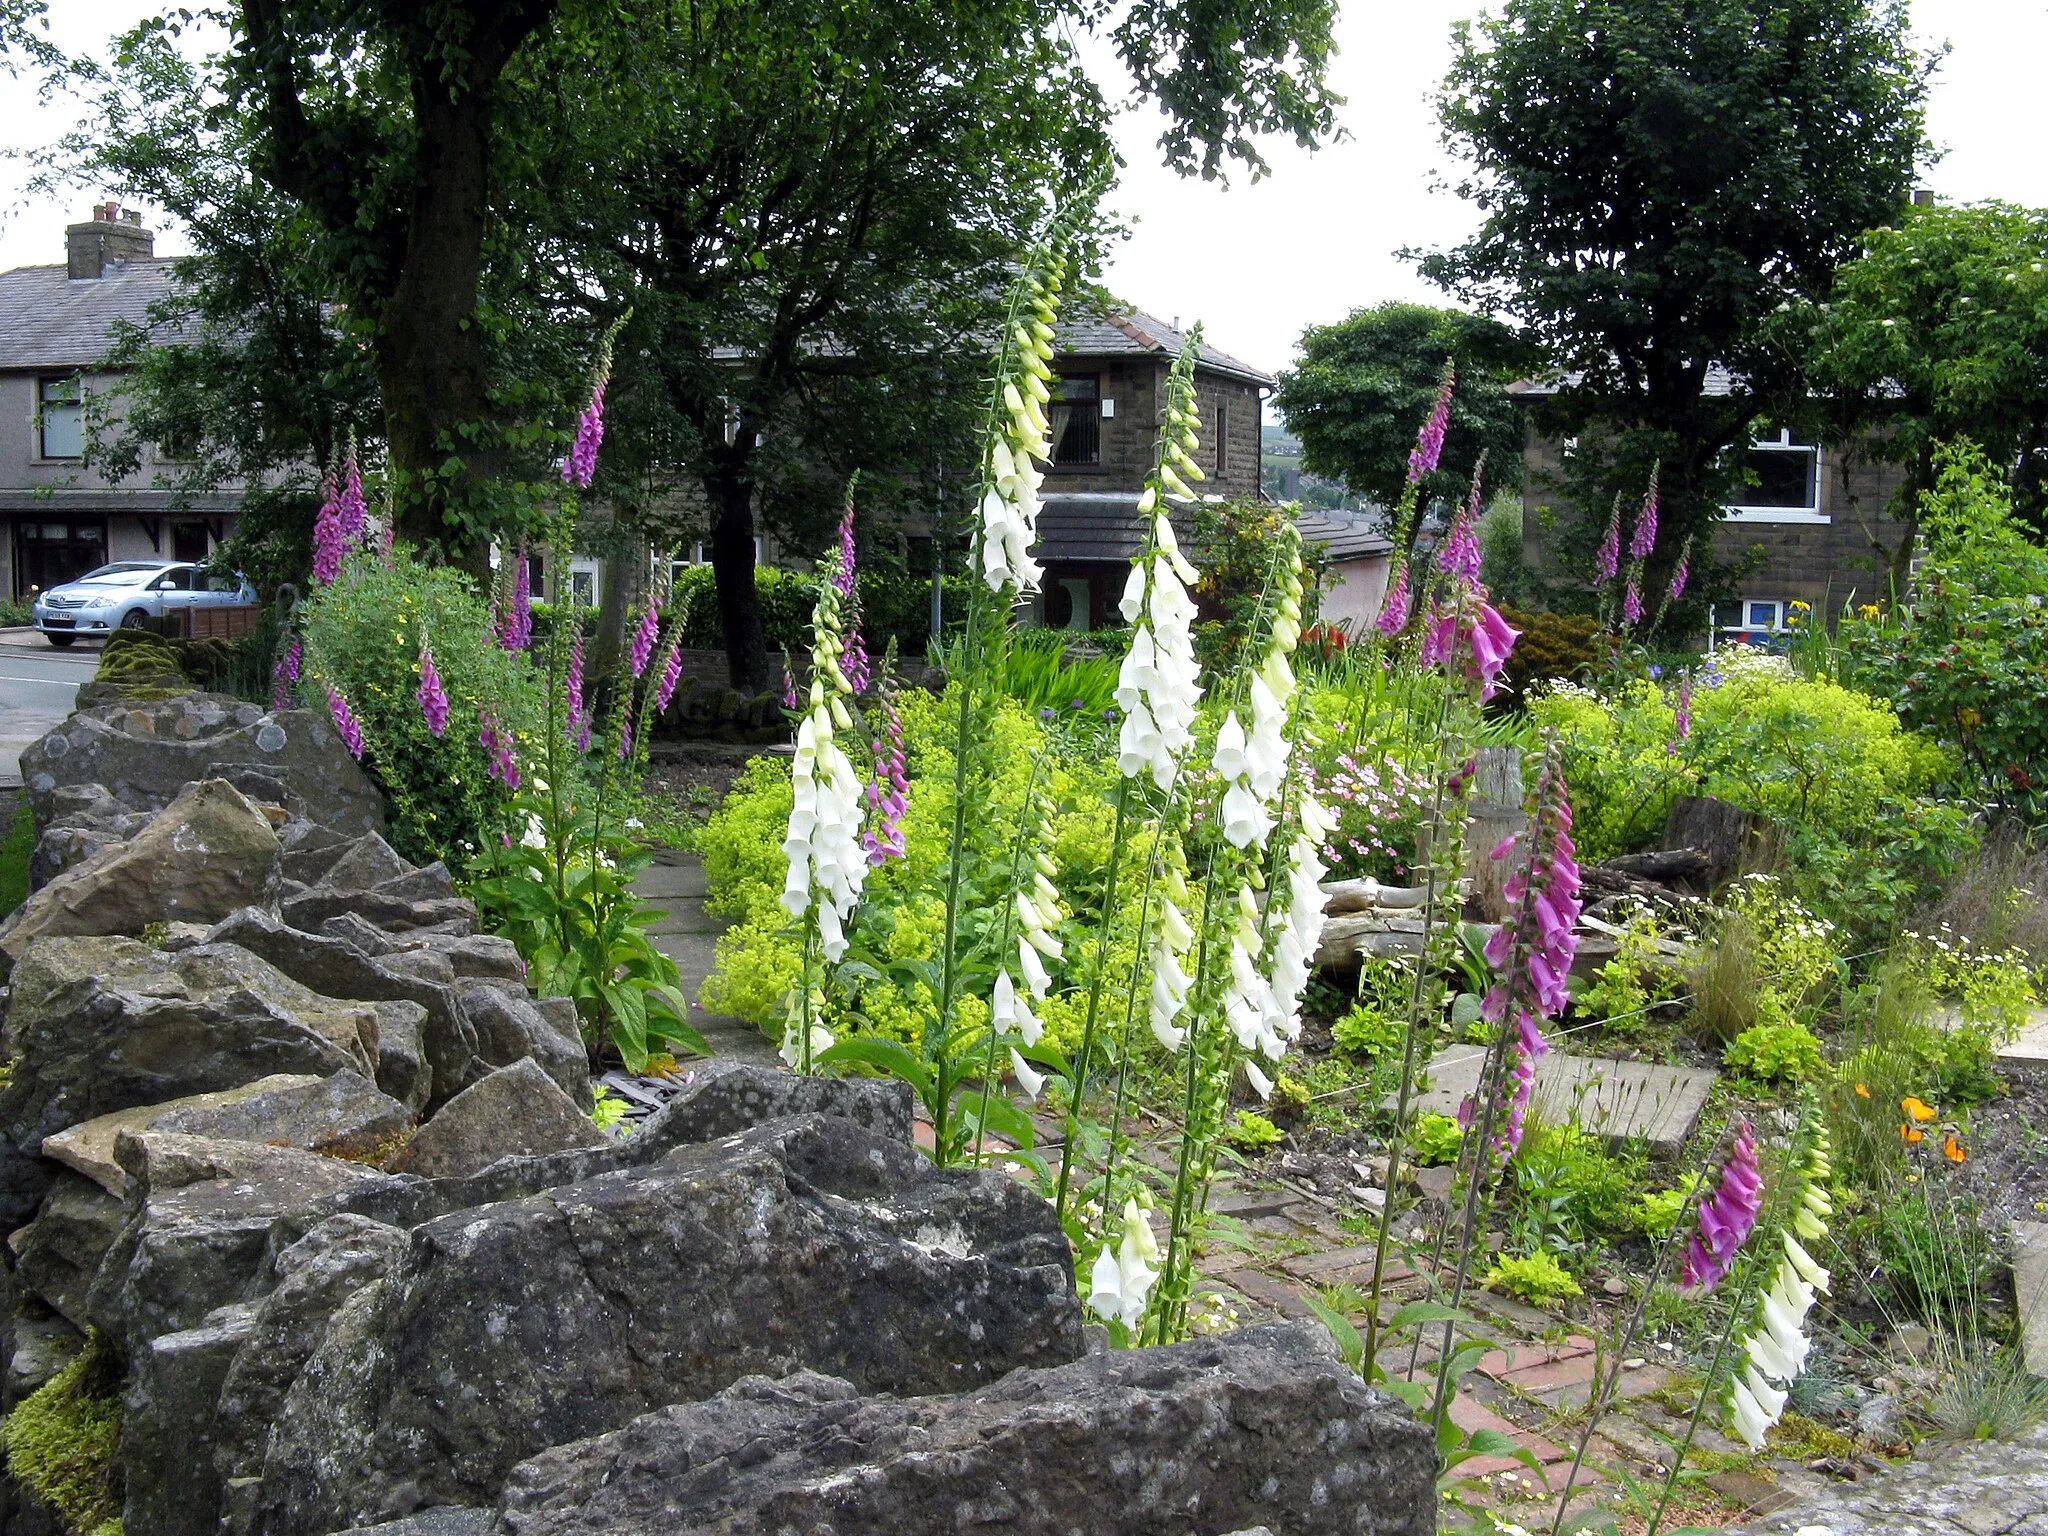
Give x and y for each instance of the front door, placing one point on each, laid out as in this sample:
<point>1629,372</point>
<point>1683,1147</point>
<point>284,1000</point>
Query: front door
<point>48,553</point>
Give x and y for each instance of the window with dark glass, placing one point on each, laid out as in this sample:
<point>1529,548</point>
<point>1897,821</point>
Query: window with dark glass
<point>1222,438</point>
<point>1783,476</point>
<point>1075,415</point>
<point>62,418</point>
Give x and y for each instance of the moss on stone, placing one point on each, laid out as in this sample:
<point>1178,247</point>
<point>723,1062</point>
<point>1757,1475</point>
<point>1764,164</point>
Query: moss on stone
<point>61,1442</point>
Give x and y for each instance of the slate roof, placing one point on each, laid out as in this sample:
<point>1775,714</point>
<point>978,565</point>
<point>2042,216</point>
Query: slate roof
<point>1719,381</point>
<point>1086,331</point>
<point>1101,527</point>
<point>48,320</point>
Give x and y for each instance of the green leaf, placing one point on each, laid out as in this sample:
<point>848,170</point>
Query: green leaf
<point>890,1056</point>
<point>1416,1312</point>
<point>1350,1346</point>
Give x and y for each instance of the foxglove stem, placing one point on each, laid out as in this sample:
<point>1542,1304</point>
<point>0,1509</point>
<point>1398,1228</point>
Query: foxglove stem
<point>329,538</point>
<point>433,700</point>
<point>345,722</point>
<point>1607,563</point>
<point>353,511</point>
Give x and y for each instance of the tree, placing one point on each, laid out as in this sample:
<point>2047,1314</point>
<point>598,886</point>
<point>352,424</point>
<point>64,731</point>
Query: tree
<point>1365,384</point>
<point>1938,331</point>
<point>1659,177</point>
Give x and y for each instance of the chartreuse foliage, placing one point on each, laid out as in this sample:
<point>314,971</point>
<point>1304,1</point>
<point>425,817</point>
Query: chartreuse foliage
<point>62,1441</point>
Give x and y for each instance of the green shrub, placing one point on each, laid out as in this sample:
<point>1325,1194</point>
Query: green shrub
<point>1775,1053</point>
<point>1252,1133</point>
<point>1434,1140</point>
<point>1536,1278</point>
<point>62,1440</point>
<point>1657,1211</point>
<point>1586,1189</point>
<point>18,843</point>
<point>1366,1031</point>
<point>363,636</point>
<point>1552,645</point>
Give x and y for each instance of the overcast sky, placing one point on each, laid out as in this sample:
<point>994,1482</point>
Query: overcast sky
<point>1316,239</point>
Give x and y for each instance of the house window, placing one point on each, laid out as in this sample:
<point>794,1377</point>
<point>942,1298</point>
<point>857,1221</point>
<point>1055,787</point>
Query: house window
<point>62,418</point>
<point>1076,419</point>
<point>583,583</point>
<point>1782,483</point>
<point>1222,438</point>
<point>189,542</point>
<point>1762,614</point>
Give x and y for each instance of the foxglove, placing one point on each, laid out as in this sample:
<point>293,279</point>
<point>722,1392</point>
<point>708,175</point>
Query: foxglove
<point>1632,602</point>
<point>1684,569</point>
<point>433,700</point>
<point>1777,1347</point>
<point>1170,980</point>
<point>888,791</point>
<point>1644,539</point>
<point>577,725</point>
<point>284,675</point>
<point>1393,614</point>
<point>1122,1279</point>
<point>515,632</point>
<point>581,465</point>
<point>1009,507</point>
<point>329,539</point>
<point>1460,558</point>
<point>1253,766</point>
<point>1727,1216</point>
<point>643,639</point>
<point>671,673</point>
<point>1607,563</point>
<point>345,722</point>
<point>1429,443</point>
<point>498,743</point>
<point>1158,685</point>
<point>351,507</point>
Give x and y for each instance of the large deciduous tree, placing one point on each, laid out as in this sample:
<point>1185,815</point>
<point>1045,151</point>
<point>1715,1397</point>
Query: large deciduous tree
<point>1658,178</point>
<point>1938,331</point>
<point>1365,383</point>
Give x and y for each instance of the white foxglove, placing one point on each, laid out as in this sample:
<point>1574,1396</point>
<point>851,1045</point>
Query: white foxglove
<point>1009,507</point>
<point>1008,1011</point>
<point>1253,766</point>
<point>1124,1275</point>
<point>1170,979</point>
<point>1776,1349</point>
<point>1031,1082</point>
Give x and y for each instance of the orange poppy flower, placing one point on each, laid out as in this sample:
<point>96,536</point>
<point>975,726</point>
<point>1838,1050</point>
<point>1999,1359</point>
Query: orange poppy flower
<point>1953,1149</point>
<point>1862,1092</point>
<point>1911,1136</point>
<point>1918,1110</point>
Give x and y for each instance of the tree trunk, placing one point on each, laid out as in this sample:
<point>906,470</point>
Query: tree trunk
<point>430,363</point>
<point>731,491</point>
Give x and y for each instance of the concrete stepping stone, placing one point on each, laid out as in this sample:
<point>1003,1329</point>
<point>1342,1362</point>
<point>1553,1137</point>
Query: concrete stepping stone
<point>1619,1100</point>
<point>2032,1044</point>
<point>688,935</point>
<point>2030,1285</point>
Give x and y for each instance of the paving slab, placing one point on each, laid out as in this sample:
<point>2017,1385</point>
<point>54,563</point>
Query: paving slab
<point>688,935</point>
<point>1618,1100</point>
<point>2032,1043</point>
<point>2030,1284</point>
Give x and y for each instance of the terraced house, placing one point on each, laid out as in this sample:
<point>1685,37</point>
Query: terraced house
<point>58,517</point>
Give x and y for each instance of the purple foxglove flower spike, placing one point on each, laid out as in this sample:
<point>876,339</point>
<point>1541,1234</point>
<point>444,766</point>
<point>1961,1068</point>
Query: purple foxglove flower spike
<point>1429,443</point>
<point>1460,557</point>
<point>1683,570</point>
<point>433,700</point>
<point>788,683</point>
<point>888,792</point>
<point>352,507</point>
<point>284,675</point>
<point>346,723</point>
<point>1393,617</point>
<point>1608,561</point>
<point>644,638</point>
<point>1727,1216</point>
<point>581,464</point>
<point>329,540</point>
<point>671,674</point>
<point>576,726</point>
<point>842,575</point>
<point>517,633</point>
<point>497,742</point>
<point>1632,602</point>
<point>854,662</point>
<point>1645,537</point>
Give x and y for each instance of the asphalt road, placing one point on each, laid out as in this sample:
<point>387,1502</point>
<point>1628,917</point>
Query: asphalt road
<point>37,685</point>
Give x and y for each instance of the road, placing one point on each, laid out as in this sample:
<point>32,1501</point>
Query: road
<point>37,684</point>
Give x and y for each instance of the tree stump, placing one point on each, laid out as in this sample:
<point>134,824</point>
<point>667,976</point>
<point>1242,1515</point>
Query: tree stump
<point>1732,841</point>
<point>1495,811</point>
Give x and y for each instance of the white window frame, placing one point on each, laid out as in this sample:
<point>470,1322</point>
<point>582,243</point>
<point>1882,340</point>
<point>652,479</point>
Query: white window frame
<point>1779,606</point>
<point>1783,444</point>
<point>55,416</point>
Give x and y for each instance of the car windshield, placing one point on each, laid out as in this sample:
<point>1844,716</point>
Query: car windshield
<point>123,573</point>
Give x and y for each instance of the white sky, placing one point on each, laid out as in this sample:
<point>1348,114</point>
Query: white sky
<point>1315,240</point>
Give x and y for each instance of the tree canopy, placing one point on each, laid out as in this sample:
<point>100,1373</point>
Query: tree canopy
<point>1364,384</point>
<point>1937,332</point>
<point>1658,178</point>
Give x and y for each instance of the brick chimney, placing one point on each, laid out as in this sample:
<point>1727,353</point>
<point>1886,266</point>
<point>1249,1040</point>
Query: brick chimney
<point>111,238</point>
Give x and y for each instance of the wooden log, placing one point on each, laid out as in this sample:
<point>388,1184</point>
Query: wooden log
<point>1368,895</point>
<point>1495,811</point>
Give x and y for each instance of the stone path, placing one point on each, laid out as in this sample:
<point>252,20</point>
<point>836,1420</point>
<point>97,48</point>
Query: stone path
<point>688,935</point>
<point>2032,1043</point>
<point>2030,1287</point>
<point>1976,1488</point>
<point>1621,1100</point>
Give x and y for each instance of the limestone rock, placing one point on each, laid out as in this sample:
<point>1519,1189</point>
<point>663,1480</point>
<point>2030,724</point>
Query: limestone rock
<point>1264,1426</point>
<point>512,1327</point>
<point>508,1028</point>
<point>364,863</point>
<point>103,1024</point>
<point>393,914</point>
<point>339,969</point>
<point>430,882</point>
<point>516,1111</point>
<point>59,1252</point>
<point>88,1147</point>
<point>485,957</point>
<point>448,1520</point>
<point>200,1225</point>
<point>310,849</point>
<point>168,1426</point>
<point>205,854</point>
<point>372,941</point>
<point>145,753</point>
<point>315,1276</point>
<point>402,1069</point>
<point>424,964</point>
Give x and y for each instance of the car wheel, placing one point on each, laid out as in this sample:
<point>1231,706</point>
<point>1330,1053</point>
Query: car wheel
<point>137,619</point>
<point>60,641</point>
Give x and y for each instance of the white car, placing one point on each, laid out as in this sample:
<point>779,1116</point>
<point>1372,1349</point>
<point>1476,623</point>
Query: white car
<point>129,593</point>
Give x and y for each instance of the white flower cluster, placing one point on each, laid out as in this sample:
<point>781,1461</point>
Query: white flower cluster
<point>1038,913</point>
<point>1007,1013</point>
<point>1158,687</point>
<point>1293,950</point>
<point>1254,767</point>
<point>1169,980</point>
<point>827,864</point>
<point>1009,512</point>
<point>1777,1349</point>
<point>1124,1274</point>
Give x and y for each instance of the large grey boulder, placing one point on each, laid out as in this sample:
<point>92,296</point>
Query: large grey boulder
<point>337,968</point>
<point>402,1069</point>
<point>512,1327</point>
<point>58,1253</point>
<point>169,1426</point>
<point>205,854</point>
<point>146,752</point>
<point>96,1025</point>
<point>510,1028</point>
<point>364,863</point>
<point>1259,1427</point>
<point>314,1277</point>
<point>200,1225</point>
<point>516,1111</point>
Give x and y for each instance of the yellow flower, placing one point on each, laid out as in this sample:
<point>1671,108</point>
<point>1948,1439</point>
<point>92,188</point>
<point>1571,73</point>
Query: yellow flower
<point>1867,611</point>
<point>1862,1092</point>
<point>1919,1111</point>
<point>1910,1136</point>
<point>1953,1149</point>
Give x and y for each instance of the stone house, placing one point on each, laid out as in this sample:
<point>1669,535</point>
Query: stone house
<point>58,517</point>
<point>1813,525</point>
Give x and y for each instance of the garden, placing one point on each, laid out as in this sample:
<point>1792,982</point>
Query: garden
<point>1182,927</point>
